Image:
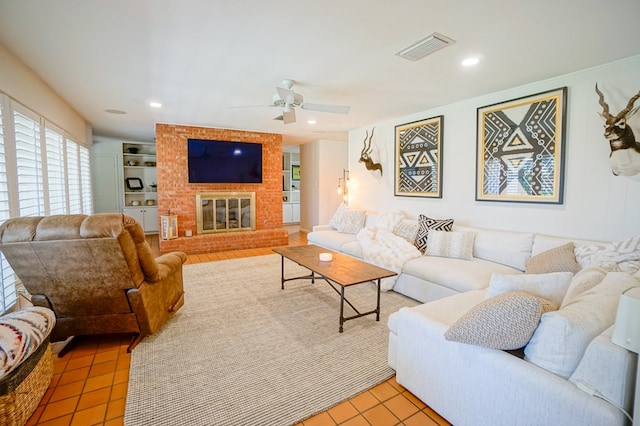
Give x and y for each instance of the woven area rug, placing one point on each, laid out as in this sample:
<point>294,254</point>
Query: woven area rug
<point>241,351</point>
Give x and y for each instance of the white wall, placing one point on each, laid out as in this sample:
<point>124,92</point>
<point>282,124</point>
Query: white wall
<point>23,85</point>
<point>321,163</point>
<point>597,204</point>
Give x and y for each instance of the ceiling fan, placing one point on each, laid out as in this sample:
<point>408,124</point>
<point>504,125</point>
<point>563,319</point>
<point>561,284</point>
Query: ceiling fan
<point>289,100</point>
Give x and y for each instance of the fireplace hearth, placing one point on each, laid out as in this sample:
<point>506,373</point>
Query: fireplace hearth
<point>225,212</point>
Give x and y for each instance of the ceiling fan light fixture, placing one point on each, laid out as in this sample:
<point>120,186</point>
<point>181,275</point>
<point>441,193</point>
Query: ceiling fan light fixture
<point>426,46</point>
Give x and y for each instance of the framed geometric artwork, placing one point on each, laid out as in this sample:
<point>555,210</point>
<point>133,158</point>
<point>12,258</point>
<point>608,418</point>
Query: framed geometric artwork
<point>520,149</point>
<point>419,158</point>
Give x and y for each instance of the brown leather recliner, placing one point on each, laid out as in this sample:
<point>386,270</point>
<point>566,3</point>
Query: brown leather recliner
<point>97,273</point>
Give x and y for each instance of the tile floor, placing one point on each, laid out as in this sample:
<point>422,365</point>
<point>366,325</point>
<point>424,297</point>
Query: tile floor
<point>89,385</point>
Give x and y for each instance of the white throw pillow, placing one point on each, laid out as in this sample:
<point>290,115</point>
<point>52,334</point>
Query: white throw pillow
<point>584,280</point>
<point>562,337</point>
<point>551,286</point>
<point>625,255</point>
<point>455,244</point>
<point>389,220</point>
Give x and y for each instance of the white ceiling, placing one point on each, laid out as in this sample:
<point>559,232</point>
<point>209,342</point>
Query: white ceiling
<point>200,57</point>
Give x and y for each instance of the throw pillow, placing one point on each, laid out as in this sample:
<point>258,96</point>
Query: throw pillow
<point>352,221</point>
<point>388,220</point>
<point>458,245</point>
<point>562,337</point>
<point>406,229</point>
<point>336,219</point>
<point>584,280</point>
<point>503,322</point>
<point>624,255</point>
<point>558,259</point>
<point>425,224</point>
<point>551,286</point>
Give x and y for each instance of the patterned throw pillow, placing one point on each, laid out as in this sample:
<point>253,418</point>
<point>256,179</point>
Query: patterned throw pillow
<point>457,245</point>
<point>425,224</point>
<point>336,219</point>
<point>352,221</point>
<point>558,259</point>
<point>623,255</point>
<point>407,229</point>
<point>503,322</point>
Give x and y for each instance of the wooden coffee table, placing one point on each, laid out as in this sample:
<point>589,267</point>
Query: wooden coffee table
<point>342,270</point>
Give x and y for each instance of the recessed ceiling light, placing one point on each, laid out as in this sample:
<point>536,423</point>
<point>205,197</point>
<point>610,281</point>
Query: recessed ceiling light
<point>155,104</point>
<point>115,111</point>
<point>311,121</point>
<point>469,62</point>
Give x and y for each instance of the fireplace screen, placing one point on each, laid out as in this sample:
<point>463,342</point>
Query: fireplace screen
<point>225,212</point>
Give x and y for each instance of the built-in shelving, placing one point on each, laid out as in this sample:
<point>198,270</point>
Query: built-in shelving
<point>290,187</point>
<point>140,184</point>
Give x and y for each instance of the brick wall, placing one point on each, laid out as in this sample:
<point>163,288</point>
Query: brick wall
<point>176,194</point>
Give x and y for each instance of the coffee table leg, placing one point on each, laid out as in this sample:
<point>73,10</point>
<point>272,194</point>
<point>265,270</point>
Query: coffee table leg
<point>378,305</point>
<point>282,272</point>
<point>341,308</point>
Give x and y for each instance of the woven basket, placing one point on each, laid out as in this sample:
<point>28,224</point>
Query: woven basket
<point>22,390</point>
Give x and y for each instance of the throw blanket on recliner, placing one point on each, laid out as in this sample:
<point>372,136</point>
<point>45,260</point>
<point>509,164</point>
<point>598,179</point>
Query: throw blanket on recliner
<point>387,250</point>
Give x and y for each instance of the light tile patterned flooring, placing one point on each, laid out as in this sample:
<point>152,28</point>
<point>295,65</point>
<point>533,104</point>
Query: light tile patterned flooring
<point>89,385</point>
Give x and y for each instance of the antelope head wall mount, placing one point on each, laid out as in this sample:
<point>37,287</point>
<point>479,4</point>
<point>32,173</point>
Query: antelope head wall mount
<point>625,150</point>
<point>365,154</point>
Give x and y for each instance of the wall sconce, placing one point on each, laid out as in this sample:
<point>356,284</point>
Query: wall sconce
<point>343,186</point>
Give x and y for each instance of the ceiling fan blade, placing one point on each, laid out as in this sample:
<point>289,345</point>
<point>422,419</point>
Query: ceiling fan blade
<point>335,109</point>
<point>289,115</point>
<point>249,106</point>
<point>287,96</point>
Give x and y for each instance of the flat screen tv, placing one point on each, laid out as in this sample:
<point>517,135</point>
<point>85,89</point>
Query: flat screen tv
<point>212,161</point>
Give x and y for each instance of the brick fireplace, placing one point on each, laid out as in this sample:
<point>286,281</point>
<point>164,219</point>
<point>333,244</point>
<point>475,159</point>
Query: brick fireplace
<point>177,195</point>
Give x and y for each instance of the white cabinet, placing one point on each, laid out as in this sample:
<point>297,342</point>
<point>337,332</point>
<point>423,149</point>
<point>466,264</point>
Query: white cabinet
<point>147,217</point>
<point>290,212</point>
<point>290,187</point>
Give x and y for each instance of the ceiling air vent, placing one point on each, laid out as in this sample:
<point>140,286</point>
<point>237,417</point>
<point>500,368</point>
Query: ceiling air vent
<point>425,47</point>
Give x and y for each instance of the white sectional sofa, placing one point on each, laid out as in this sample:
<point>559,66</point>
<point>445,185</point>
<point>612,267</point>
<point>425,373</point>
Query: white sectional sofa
<point>552,381</point>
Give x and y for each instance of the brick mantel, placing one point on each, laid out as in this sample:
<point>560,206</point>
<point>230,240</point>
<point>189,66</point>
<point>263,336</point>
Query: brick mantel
<point>177,195</point>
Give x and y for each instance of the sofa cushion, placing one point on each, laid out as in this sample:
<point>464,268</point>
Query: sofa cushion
<point>336,219</point>
<point>458,245</point>
<point>551,286</point>
<point>584,280</point>
<point>557,259</point>
<point>625,255</point>
<point>425,224</point>
<point>458,275</point>
<point>505,247</point>
<point>333,239</point>
<point>562,337</point>
<point>505,322</point>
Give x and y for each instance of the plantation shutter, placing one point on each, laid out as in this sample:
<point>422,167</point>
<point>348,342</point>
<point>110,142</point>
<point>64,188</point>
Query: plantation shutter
<point>73,178</point>
<point>7,276</point>
<point>85,180</point>
<point>55,172</point>
<point>28,165</point>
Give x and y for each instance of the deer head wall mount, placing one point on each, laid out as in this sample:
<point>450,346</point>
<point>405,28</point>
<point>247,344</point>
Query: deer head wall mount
<point>625,150</point>
<point>365,154</point>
